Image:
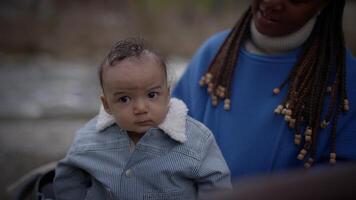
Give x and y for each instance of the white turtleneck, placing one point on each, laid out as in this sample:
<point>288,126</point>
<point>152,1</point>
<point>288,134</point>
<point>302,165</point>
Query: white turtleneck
<point>262,44</point>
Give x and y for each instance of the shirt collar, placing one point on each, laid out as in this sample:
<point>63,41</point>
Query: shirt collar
<point>262,44</point>
<point>173,125</point>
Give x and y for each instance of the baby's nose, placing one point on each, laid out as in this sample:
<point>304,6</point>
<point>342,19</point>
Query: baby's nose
<point>140,106</point>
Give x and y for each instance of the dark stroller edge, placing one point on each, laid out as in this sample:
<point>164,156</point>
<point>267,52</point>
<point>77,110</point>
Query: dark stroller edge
<point>35,185</point>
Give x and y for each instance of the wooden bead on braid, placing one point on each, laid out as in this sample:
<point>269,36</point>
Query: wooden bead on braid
<point>297,138</point>
<point>202,81</point>
<point>276,91</point>
<point>279,109</point>
<point>346,105</point>
<point>302,154</point>
<point>332,159</point>
<point>324,124</point>
<point>308,135</point>
<point>208,78</point>
<point>210,88</point>
<point>292,123</point>
<point>287,118</point>
<point>284,110</point>
<point>221,91</point>
<point>309,163</point>
<point>329,89</point>
<point>288,112</point>
<point>214,100</point>
<point>227,104</point>
<point>287,115</point>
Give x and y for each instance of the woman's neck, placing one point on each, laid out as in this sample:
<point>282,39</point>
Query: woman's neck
<point>262,44</point>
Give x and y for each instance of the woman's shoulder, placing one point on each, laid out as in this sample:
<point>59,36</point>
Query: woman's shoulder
<point>219,36</point>
<point>209,48</point>
<point>216,40</point>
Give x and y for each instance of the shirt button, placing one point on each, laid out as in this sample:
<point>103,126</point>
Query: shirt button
<point>128,173</point>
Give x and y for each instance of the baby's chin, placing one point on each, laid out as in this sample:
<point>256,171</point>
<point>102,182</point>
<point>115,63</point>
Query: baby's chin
<point>139,131</point>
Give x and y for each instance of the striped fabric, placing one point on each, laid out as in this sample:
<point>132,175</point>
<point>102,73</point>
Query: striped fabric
<point>107,165</point>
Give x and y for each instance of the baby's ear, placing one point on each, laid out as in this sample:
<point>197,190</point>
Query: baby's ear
<point>105,103</point>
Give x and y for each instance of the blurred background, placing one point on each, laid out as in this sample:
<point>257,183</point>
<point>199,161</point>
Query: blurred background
<point>50,50</point>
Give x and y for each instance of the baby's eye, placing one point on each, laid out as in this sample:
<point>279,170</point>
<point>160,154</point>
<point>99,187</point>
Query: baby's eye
<point>124,99</point>
<point>152,95</point>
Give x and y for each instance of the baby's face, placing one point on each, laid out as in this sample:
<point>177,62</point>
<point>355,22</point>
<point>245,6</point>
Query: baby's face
<point>136,93</point>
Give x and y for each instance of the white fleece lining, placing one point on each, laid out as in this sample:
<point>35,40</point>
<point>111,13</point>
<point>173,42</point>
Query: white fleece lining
<point>173,125</point>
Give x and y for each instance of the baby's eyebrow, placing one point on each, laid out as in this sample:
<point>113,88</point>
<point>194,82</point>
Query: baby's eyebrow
<point>118,93</point>
<point>155,87</point>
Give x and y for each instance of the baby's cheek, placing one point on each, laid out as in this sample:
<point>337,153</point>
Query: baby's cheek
<point>121,120</point>
<point>162,115</point>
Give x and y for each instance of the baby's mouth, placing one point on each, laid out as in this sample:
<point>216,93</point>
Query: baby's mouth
<point>144,123</point>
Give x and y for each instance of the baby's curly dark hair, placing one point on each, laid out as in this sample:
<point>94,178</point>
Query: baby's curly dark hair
<point>127,48</point>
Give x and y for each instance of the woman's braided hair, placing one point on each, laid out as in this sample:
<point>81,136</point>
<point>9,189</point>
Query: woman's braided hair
<point>317,78</point>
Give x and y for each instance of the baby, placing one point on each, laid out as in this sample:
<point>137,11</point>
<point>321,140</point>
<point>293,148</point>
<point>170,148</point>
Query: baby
<point>142,145</point>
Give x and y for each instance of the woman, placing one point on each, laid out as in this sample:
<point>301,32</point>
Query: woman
<point>278,89</point>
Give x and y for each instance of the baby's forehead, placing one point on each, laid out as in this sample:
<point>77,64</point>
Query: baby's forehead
<point>146,60</point>
<point>135,73</point>
<point>144,57</point>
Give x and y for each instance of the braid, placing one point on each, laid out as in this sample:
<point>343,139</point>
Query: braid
<point>318,73</point>
<point>220,73</point>
<point>321,63</point>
